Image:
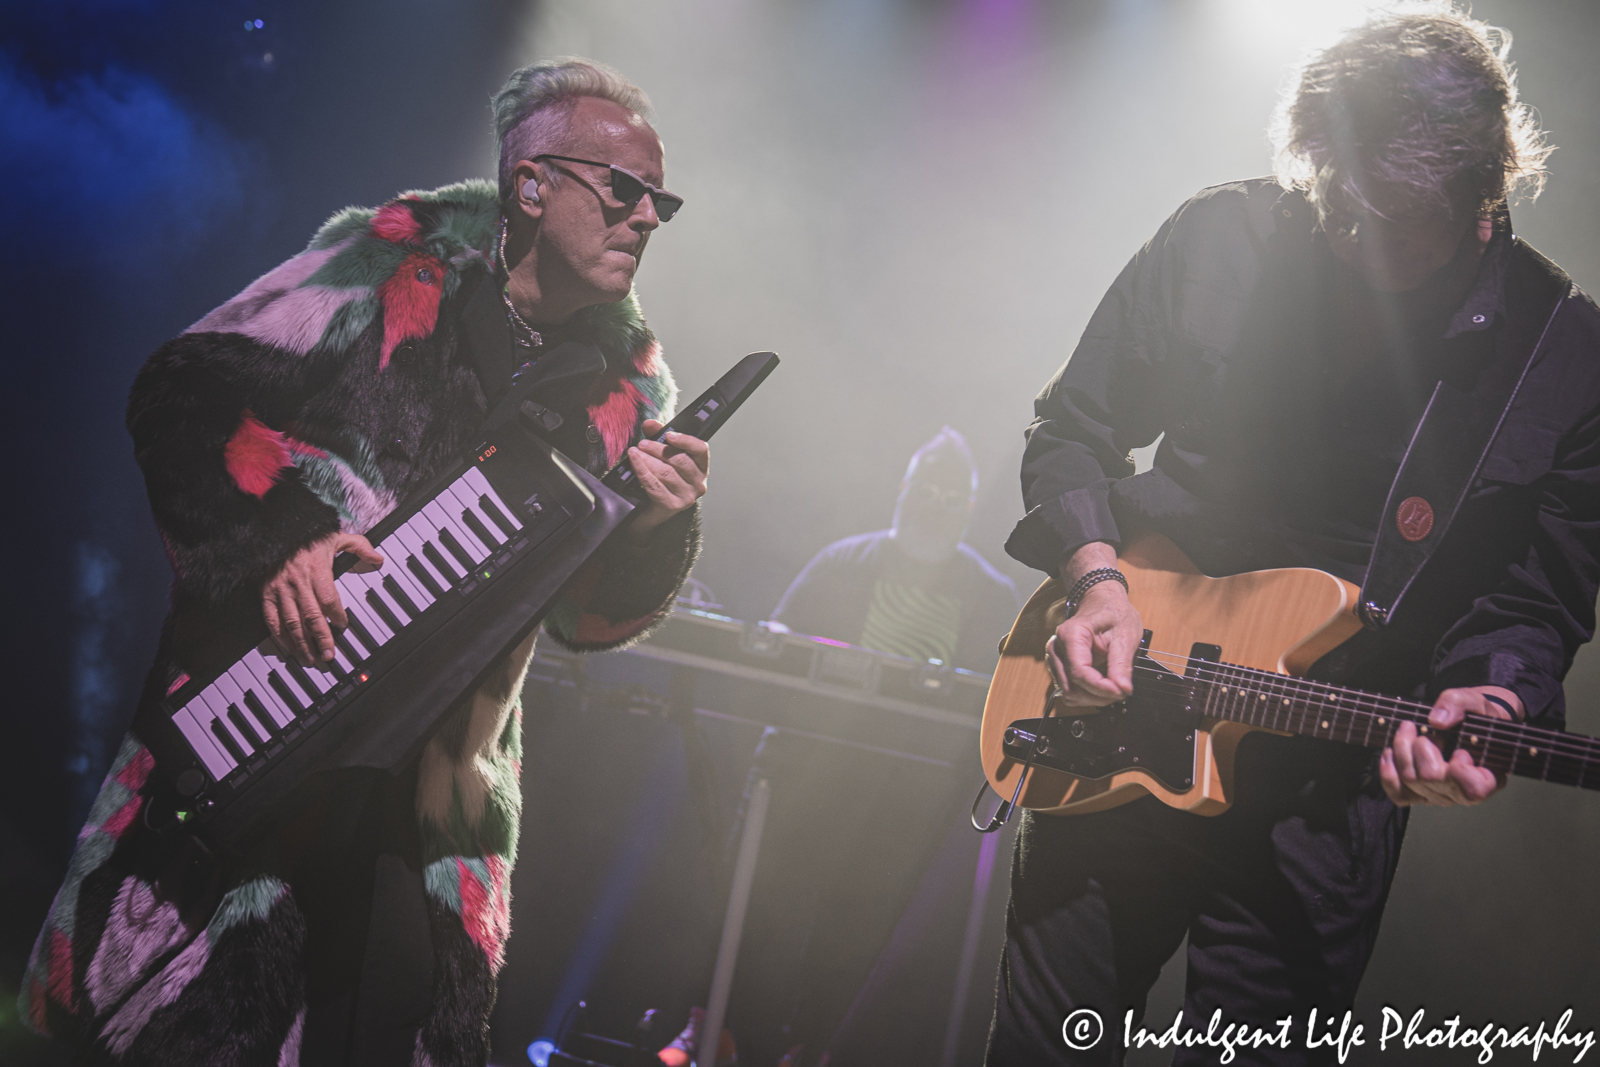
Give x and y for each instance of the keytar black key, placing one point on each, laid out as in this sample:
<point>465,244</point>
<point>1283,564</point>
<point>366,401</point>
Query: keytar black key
<point>377,604</point>
<point>259,710</point>
<point>447,539</point>
<point>392,587</point>
<point>500,518</point>
<point>246,727</point>
<point>423,576</point>
<point>225,737</point>
<point>285,692</point>
<point>478,528</point>
<point>437,558</point>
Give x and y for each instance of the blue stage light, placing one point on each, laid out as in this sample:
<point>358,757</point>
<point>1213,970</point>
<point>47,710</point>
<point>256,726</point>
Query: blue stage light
<point>539,1052</point>
<point>260,24</point>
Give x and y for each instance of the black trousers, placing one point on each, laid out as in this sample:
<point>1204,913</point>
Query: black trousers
<point>1280,898</point>
<point>369,952</point>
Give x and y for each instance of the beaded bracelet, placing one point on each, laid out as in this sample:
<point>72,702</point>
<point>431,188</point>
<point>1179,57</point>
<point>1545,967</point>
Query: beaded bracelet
<point>1089,581</point>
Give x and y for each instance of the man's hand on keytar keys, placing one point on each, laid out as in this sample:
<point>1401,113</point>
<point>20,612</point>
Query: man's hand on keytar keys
<point>301,604</point>
<point>672,474</point>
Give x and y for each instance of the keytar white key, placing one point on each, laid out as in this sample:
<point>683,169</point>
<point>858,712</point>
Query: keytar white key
<point>369,618</point>
<point>353,590</point>
<point>217,762</point>
<point>415,550</point>
<point>375,588</point>
<point>219,713</point>
<point>438,521</point>
<point>257,666</point>
<point>258,732</point>
<point>323,679</point>
<point>279,667</point>
<point>394,568</point>
<point>458,509</point>
<point>446,521</point>
<point>468,501</point>
<point>478,483</point>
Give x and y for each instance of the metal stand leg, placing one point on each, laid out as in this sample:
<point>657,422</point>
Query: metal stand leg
<point>744,874</point>
<point>969,948</point>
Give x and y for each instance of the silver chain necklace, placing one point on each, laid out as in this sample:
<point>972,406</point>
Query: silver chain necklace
<point>521,332</point>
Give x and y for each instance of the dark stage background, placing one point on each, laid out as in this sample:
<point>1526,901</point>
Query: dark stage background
<point>916,202</point>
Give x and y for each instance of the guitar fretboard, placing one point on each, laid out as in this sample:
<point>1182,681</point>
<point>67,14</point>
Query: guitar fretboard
<point>1315,709</point>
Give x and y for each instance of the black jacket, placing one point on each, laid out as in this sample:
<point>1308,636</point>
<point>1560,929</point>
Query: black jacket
<point>1211,336</point>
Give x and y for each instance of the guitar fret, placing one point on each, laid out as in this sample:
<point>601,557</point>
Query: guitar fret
<point>1286,703</point>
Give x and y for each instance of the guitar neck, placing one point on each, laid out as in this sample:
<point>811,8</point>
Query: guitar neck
<point>1314,709</point>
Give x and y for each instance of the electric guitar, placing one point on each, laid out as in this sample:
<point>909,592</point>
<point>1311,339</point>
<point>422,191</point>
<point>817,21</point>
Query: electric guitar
<point>1220,657</point>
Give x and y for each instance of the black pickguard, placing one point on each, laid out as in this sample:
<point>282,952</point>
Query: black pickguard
<point>1154,730</point>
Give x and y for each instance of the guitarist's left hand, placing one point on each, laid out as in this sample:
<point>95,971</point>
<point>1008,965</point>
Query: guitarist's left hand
<point>1413,769</point>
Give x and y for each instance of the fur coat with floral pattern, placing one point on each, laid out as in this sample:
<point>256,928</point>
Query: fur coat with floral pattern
<point>315,401</point>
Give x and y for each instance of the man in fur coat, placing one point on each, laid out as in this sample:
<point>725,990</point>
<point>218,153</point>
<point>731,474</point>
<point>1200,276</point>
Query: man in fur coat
<point>272,434</point>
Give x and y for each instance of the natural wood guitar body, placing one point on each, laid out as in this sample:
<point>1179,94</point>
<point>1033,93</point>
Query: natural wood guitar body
<point>1278,620</point>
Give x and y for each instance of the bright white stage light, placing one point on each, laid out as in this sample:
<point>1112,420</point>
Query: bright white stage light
<point>1295,26</point>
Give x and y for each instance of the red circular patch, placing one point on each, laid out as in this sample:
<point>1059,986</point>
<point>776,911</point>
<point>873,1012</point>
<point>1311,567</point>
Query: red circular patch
<point>1414,518</point>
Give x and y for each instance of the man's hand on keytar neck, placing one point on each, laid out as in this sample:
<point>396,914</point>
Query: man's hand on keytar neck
<point>1099,641</point>
<point>671,472</point>
<point>301,604</point>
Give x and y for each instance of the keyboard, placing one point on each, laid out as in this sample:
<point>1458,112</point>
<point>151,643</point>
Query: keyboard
<point>472,562</point>
<point>437,551</point>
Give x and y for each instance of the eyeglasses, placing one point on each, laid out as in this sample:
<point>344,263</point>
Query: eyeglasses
<point>928,493</point>
<point>629,187</point>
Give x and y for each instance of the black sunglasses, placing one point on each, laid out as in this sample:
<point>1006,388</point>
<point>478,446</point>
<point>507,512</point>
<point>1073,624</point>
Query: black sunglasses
<point>628,187</point>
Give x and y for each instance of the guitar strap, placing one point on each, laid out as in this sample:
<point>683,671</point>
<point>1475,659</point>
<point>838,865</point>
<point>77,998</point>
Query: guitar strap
<point>1454,435</point>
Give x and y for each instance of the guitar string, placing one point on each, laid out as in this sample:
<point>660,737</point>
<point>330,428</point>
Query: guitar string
<point>1367,703</point>
<point>1499,733</point>
<point>1498,751</point>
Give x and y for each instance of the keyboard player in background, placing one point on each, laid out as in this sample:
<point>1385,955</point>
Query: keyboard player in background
<point>915,589</point>
<point>852,831</point>
<point>272,434</point>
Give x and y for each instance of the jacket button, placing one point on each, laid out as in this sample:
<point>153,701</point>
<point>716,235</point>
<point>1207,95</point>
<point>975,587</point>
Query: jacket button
<point>593,434</point>
<point>425,276</point>
<point>404,355</point>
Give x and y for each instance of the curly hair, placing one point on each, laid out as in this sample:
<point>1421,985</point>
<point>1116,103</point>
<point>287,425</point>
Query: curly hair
<point>531,111</point>
<point>1421,101</point>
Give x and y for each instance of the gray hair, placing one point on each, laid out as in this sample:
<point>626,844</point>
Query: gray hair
<point>1421,100</point>
<point>532,111</point>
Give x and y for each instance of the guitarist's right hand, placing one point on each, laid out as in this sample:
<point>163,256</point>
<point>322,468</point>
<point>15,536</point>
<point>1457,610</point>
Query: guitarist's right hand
<point>1097,644</point>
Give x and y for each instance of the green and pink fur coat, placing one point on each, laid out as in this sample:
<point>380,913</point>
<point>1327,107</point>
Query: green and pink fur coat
<point>315,401</point>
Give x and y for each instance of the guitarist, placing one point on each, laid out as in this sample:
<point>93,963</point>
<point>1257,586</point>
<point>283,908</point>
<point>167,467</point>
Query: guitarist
<point>1285,336</point>
<point>273,434</point>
